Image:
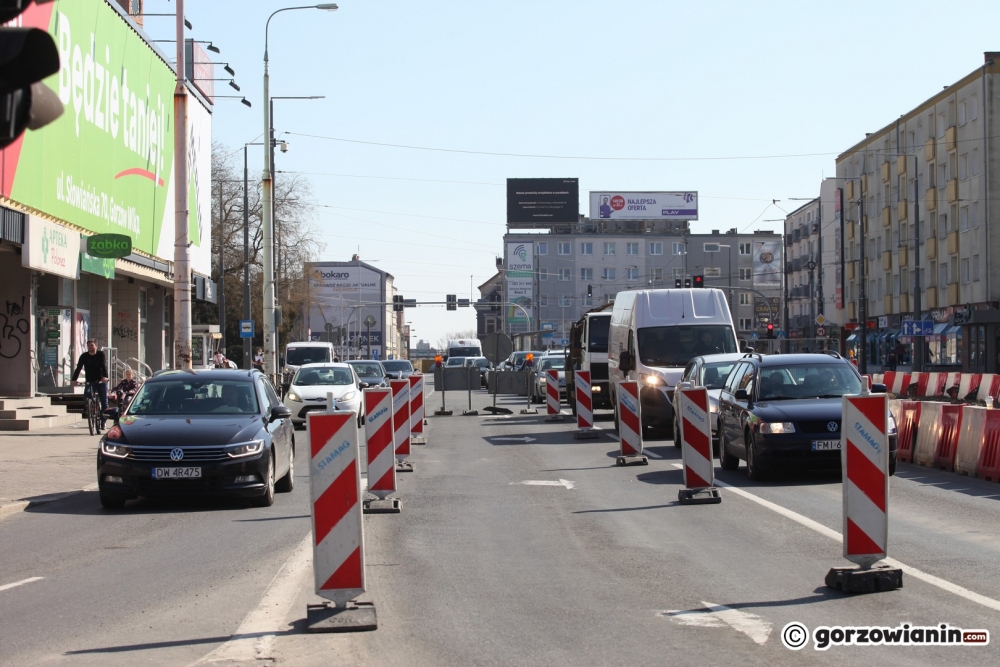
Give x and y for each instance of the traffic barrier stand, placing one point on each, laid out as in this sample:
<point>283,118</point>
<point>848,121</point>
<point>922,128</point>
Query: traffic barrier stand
<point>968,386</point>
<point>528,362</point>
<point>928,433</point>
<point>417,422</point>
<point>381,453</point>
<point>629,425</point>
<point>947,444</point>
<point>970,439</point>
<point>906,426</point>
<point>338,534</point>
<point>864,456</point>
<point>584,407</point>
<point>553,407</point>
<point>439,383</point>
<point>472,375</point>
<point>401,423</point>
<point>988,467</point>
<point>696,447</point>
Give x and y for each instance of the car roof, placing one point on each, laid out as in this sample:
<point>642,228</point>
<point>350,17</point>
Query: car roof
<point>802,359</point>
<point>310,343</point>
<point>714,358</point>
<point>325,364</point>
<point>208,374</point>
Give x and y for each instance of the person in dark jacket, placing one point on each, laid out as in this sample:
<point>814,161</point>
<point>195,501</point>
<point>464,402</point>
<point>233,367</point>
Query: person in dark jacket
<point>95,370</point>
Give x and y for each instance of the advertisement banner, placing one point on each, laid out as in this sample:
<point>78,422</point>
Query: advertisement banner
<point>50,248</point>
<point>644,205</point>
<point>106,164</point>
<point>539,202</point>
<point>766,310</point>
<point>338,295</point>
<point>520,276</point>
<point>767,263</point>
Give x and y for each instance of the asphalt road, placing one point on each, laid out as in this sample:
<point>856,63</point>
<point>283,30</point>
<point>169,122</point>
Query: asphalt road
<point>516,545</point>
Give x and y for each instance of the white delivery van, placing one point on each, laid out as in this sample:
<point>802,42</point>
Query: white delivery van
<point>465,347</point>
<point>654,333</point>
<point>304,352</point>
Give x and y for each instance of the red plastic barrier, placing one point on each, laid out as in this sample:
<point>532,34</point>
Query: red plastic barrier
<point>947,444</point>
<point>989,455</point>
<point>906,429</point>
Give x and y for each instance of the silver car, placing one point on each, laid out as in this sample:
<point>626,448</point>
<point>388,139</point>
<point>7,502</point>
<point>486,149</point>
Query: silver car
<point>709,371</point>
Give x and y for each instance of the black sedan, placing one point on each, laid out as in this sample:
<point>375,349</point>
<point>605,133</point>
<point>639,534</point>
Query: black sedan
<point>784,411</point>
<point>217,432</point>
<point>371,373</point>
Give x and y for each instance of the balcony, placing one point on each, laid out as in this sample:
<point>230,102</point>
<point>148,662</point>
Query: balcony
<point>930,298</point>
<point>886,172</point>
<point>850,270</point>
<point>797,235</point>
<point>901,255</point>
<point>849,230</point>
<point>864,184</point>
<point>886,216</point>
<point>887,305</point>
<point>904,303</point>
<point>901,210</point>
<point>953,243</point>
<point>931,247</point>
<point>951,191</point>
<point>849,191</point>
<point>953,295</point>
<point>950,138</point>
<point>886,261</point>
<point>901,164</point>
<point>930,199</point>
<point>929,149</point>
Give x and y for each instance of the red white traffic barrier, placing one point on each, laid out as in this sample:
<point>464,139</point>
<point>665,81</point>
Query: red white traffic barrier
<point>906,425</point>
<point>989,456</point>
<point>952,384</point>
<point>896,383</point>
<point>989,386</point>
<point>401,418</point>
<point>584,400</point>
<point>416,406</point>
<point>935,384</point>
<point>335,488</point>
<point>696,438</point>
<point>379,435</point>
<point>947,444</point>
<point>970,439</point>
<point>928,432</point>
<point>552,404</point>
<point>969,384</point>
<point>629,420</point>
<point>865,461</point>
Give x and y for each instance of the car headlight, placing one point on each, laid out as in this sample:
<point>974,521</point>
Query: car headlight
<point>245,449</point>
<point>892,425</point>
<point>115,450</point>
<point>292,396</point>
<point>541,380</point>
<point>777,427</point>
<point>651,380</point>
<point>595,389</point>
<point>349,396</point>
<point>713,407</point>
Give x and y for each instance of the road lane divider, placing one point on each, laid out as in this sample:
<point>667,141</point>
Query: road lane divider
<point>401,424</point>
<point>696,446</point>
<point>552,403</point>
<point>417,410</point>
<point>584,407</point>
<point>7,587</point>
<point>379,434</point>
<point>629,425</point>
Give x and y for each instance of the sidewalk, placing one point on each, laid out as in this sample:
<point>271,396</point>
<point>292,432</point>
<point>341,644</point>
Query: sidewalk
<point>40,466</point>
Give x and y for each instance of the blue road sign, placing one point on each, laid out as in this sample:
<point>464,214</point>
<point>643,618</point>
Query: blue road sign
<point>917,328</point>
<point>782,334</point>
<point>754,335</point>
<point>246,328</point>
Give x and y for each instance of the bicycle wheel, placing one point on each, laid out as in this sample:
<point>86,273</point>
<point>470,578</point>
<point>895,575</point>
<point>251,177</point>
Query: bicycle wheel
<point>93,423</point>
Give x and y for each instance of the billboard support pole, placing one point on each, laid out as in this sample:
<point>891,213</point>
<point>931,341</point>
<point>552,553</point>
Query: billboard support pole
<point>182,256</point>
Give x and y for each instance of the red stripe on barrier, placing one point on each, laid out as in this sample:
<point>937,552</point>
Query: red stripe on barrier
<point>627,388</point>
<point>694,436</point>
<point>631,420</point>
<point>584,400</point>
<point>694,480</point>
<point>989,456</point>
<point>947,444</point>
<point>873,409</point>
<point>865,475</point>
<point>338,499</point>
<point>348,575</point>
<point>909,417</point>
<point>378,442</point>
<point>858,542</point>
<point>699,399</point>
<point>385,482</point>
<point>325,429</point>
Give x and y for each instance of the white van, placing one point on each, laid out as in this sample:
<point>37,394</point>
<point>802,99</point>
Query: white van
<point>654,333</point>
<point>305,352</point>
<point>465,347</point>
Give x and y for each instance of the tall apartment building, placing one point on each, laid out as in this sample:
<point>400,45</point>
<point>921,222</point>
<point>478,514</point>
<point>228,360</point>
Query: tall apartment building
<point>918,231</point>
<point>559,275</point>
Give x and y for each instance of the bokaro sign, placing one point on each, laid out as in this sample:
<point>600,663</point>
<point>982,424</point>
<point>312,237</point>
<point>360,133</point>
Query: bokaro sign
<point>106,164</point>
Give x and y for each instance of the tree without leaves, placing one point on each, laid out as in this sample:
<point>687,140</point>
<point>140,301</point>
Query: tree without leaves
<point>442,343</point>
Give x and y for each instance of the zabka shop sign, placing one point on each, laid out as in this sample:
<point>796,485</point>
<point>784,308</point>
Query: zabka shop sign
<point>109,246</point>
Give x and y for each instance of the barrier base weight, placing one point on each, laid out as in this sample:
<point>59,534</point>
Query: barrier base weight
<point>529,411</point>
<point>855,580</point>
<point>355,617</point>
<point>588,434</point>
<point>404,466</point>
<point>387,506</point>
<point>555,418</point>
<point>442,413</point>
<point>470,413</point>
<point>706,496</point>
<point>420,440</point>
<point>635,460</point>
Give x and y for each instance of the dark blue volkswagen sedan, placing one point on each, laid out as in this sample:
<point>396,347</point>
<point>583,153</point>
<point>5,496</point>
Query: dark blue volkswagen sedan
<point>217,432</point>
<point>784,411</point>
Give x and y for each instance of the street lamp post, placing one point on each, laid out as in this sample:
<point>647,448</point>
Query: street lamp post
<point>182,251</point>
<point>267,236</point>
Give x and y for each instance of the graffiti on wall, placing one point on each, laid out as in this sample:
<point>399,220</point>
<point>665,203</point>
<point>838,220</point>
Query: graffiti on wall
<point>125,328</point>
<point>13,325</point>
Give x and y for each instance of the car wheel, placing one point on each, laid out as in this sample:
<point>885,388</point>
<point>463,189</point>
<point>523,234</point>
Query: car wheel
<point>267,499</point>
<point>112,502</point>
<point>287,483</point>
<point>726,460</point>
<point>753,465</point>
<point>892,464</point>
<point>615,408</point>
<point>677,435</point>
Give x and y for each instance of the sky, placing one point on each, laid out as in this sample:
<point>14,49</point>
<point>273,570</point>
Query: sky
<point>430,106</point>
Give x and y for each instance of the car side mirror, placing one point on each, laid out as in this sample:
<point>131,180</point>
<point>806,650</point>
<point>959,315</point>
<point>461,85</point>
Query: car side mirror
<point>625,361</point>
<point>878,388</point>
<point>742,395</point>
<point>279,412</point>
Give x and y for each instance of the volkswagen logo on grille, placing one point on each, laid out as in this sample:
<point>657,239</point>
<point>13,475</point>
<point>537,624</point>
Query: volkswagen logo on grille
<point>176,454</point>
<point>832,426</point>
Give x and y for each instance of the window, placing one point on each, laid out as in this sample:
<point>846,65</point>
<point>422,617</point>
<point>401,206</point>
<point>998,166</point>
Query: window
<point>975,268</point>
<point>974,215</point>
<point>963,220</point>
<point>941,124</point>
<point>543,248</point>
<point>588,300</point>
<point>586,248</point>
<point>564,274</point>
<point>564,300</point>
<point>746,323</point>
<point>973,108</point>
<point>631,248</point>
<point>746,274</point>
<point>543,300</point>
<point>657,274</point>
<point>942,225</point>
<point>632,273</point>
<point>942,173</point>
<point>564,248</point>
<point>676,273</point>
<point>657,248</point>
<point>963,166</point>
<point>975,161</point>
<point>609,274</point>
<point>609,248</point>
<point>943,275</point>
<point>679,249</point>
<point>961,113</point>
<point>543,274</point>
<point>586,274</point>
<point>965,271</point>
<point>744,299</point>
<point>745,249</point>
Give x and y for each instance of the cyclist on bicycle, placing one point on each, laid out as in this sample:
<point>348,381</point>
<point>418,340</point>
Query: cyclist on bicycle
<point>125,390</point>
<point>95,368</point>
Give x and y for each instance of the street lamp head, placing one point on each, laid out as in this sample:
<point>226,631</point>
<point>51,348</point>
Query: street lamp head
<point>213,48</point>
<point>232,84</point>
<point>229,70</point>
<point>246,102</point>
<point>328,6</point>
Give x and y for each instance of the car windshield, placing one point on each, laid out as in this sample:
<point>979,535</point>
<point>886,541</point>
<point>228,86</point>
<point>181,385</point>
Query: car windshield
<point>481,362</point>
<point>194,397</point>
<point>455,361</point>
<point>713,376</point>
<point>552,364</point>
<point>677,345</point>
<point>369,370</point>
<point>299,356</point>
<point>807,381</point>
<point>396,366</point>
<point>464,352</point>
<point>597,340</point>
<point>308,377</point>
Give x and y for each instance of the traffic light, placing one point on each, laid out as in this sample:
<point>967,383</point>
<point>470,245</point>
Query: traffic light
<point>699,281</point>
<point>770,330</point>
<point>452,302</point>
<point>397,303</point>
<point>677,283</point>
<point>27,55</point>
<point>687,283</point>
<point>590,290</point>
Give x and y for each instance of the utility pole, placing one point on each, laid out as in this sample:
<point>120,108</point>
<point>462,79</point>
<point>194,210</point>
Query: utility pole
<point>862,291</point>
<point>918,348</point>
<point>247,342</point>
<point>182,254</point>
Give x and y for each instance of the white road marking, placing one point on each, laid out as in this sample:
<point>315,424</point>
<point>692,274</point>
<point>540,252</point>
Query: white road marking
<point>718,616</point>
<point>943,584</point>
<point>546,482</point>
<point>20,583</point>
<point>523,438</point>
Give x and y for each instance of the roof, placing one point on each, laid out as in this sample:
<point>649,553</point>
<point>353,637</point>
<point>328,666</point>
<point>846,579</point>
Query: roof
<point>801,359</point>
<point>207,374</point>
